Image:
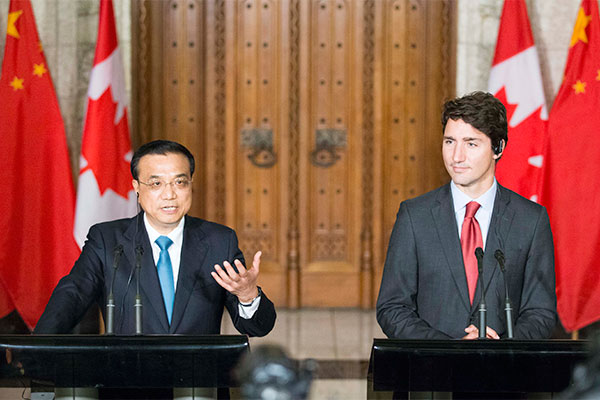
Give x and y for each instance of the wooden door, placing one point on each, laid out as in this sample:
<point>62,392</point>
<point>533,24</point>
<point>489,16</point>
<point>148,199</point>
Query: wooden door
<point>311,121</point>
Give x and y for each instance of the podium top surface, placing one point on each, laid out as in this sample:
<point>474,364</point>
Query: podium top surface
<point>139,343</point>
<point>493,346</point>
<point>121,361</point>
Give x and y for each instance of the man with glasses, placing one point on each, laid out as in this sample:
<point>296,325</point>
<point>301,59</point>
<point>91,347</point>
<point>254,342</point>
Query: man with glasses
<point>189,268</point>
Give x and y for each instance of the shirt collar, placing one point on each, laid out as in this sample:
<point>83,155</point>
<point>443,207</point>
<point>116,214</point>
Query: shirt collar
<point>486,200</point>
<point>175,235</point>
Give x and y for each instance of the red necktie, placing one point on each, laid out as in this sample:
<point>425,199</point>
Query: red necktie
<point>470,239</point>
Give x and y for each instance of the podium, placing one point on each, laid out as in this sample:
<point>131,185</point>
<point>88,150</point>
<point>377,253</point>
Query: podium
<point>150,361</point>
<point>487,366</point>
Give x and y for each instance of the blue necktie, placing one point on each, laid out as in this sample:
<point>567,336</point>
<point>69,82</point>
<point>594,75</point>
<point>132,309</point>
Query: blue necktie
<point>165,274</point>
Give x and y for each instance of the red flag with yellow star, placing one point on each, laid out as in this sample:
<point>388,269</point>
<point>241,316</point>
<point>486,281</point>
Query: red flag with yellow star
<point>37,247</point>
<point>570,188</point>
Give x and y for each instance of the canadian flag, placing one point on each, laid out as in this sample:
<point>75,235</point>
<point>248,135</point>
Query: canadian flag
<point>516,80</point>
<point>104,191</point>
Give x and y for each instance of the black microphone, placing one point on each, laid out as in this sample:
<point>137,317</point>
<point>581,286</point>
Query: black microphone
<point>133,241</point>
<point>110,305</point>
<point>507,307</point>
<point>482,308</point>
<point>139,251</point>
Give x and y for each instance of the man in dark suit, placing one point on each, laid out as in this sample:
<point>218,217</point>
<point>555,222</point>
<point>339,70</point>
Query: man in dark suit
<point>429,288</point>
<point>183,287</point>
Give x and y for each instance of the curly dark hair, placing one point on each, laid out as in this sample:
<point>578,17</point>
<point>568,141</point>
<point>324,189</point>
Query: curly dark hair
<point>483,112</point>
<point>160,147</point>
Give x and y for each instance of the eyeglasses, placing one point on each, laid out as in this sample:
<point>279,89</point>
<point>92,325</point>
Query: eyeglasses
<point>157,185</point>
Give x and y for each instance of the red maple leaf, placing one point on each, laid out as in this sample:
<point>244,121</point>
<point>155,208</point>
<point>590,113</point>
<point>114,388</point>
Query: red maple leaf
<point>510,108</point>
<point>105,145</point>
<point>524,141</point>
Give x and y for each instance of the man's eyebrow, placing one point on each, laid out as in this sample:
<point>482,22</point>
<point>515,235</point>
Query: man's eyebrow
<point>183,174</point>
<point>471,139</point>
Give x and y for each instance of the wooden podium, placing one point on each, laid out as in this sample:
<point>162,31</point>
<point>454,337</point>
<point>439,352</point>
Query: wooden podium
<point>488,366</point>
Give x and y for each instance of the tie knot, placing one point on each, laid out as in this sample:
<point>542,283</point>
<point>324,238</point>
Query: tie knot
<point>163,242</point>
<point>472,208</point>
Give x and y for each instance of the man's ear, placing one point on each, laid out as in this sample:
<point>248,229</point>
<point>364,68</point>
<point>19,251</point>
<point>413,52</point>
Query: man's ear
<point>136,187</point>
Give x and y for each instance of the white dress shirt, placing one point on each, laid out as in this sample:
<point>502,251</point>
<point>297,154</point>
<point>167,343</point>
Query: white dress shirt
<point>176,235</point>
<point>483,214</point>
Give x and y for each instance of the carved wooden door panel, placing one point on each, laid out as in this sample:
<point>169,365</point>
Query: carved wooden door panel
<point>331,151</point>
<point>288,142</point>
<point>310,119</point>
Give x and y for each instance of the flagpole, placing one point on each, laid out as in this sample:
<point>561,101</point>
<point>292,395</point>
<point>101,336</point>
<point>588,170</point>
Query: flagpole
<point>575,335</point>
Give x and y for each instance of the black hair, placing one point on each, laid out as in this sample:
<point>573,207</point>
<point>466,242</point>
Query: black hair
<point>162,147</point>
<point>483,112</point>
<point>268,369</point>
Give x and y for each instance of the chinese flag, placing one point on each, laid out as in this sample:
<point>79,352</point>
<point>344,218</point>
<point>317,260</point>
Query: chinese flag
<point>37,247</point>
<point>104,191</point>
<point>571,174</point>
<point>516,80</point>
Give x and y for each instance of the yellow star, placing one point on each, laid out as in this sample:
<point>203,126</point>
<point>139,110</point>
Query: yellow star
<point>39,69</point>
<point>598,76</point>
<point>11,29</point>
<point>17,83</point>
<point>580,25</point>
<point>579,87</point>
<point>41,47</point>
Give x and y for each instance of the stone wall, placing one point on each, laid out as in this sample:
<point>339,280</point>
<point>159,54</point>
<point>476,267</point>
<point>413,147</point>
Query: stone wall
<point>552,23</point>
<point>68,31</point>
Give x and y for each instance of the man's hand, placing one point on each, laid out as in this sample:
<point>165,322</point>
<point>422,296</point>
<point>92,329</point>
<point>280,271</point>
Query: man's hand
<point>473,333</point>
<point>241,283</point>
<point>14,363</point>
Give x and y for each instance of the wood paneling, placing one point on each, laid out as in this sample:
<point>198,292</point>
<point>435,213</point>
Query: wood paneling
<point>260,120</point>
<point>168,79</point>
<point>329,212</point>
<point>417,75</point>
<point>310,120</point>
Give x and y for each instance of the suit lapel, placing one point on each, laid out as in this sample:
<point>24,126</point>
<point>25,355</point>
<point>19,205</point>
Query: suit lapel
<point>445,222</point>
<point>130,238</point>
<point>149,283</point>
<point>193,253</point>
<point>502,216</point>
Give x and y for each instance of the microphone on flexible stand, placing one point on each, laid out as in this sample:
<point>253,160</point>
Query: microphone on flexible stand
<point>139,251</point>
<point>482,307</point>
<point>110,305</point>
<point>508,307</point>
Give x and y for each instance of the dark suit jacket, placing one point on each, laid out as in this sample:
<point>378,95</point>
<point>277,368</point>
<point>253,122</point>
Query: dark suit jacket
<point>199,300</point>
<point>424,293</point>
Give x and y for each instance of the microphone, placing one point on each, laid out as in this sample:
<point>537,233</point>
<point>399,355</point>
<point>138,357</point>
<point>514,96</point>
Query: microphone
<point>482,307</point>
<point>110,305</point>
<point>139,251</point>
<point>133,241</point>
<point>507,307</point>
